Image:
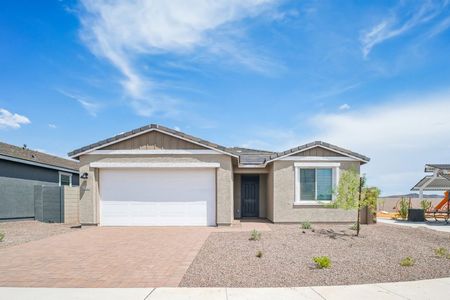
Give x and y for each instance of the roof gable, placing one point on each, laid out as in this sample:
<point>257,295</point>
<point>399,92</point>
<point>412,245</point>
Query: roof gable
<point>143,140</point>
<point>326,149</point>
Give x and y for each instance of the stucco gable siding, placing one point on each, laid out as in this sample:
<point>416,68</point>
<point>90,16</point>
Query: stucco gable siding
<point>318,151</point>
<point>153,140</point>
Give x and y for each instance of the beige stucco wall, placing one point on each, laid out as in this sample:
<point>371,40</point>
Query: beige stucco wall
<point>71,196</point>
<point>89,189</point>
<point>270,193</point>
<point>282,190</point>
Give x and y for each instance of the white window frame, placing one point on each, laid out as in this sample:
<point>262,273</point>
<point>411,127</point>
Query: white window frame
<point>334,166</point>
<point>65,174</point>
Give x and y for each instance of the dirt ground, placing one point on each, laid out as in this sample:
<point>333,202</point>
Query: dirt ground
<point>229,259</point>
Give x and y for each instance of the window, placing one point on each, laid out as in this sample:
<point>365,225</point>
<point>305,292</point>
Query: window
<point>65,179</point>
<point>314,182</point>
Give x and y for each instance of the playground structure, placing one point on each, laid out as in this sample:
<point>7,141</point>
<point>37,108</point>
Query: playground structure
<point>440,211</point>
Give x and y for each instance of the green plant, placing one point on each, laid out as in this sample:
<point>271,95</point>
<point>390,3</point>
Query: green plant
<point>322,262</point>
<point>351,193</point>
<point>403,208</point>
<point>259,254</point>
<point>425,204</point>
<point>2,236</point>
<point>306,225</point>
<point>441,252</point>
<point>255,235</point>
<point>407,262</point>
<point>354,227</point>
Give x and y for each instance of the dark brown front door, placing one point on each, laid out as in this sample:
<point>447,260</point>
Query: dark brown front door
<point>250,195</point>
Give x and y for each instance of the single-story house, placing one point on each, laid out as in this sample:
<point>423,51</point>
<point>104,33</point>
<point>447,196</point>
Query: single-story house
<point>21,169</point>
<point>157,176</point>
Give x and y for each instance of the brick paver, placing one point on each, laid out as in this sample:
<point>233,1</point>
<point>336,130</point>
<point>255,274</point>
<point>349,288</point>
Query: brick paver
<point>103,257</point>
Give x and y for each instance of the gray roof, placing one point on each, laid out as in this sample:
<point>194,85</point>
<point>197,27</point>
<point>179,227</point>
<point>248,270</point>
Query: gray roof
<point>437,184</point>
<point>37,157</point>
<point>319,143</point>
<point>246,156</point>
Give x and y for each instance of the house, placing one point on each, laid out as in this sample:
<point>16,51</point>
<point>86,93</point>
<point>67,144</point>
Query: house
<point>21,169</point>
<point>157,176</point>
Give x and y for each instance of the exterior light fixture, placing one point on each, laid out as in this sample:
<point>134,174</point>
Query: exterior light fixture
<point>84,176</point>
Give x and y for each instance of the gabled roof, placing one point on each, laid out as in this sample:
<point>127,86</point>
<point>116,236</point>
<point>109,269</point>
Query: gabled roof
<point>247,157</point>
<point>436,184</point>
<point>28,156</point>
<point>299,149</point>
<point>152,127</point>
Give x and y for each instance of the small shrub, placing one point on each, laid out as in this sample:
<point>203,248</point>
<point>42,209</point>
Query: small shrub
<point>306,225</point>
<point>447,256</point>
<point>441,252</point>
<point>2,236</point>
<point>407,262</point>
<point>255,235</point>
<point>354,227</point>
<point>322,262</point>
<point>425,204</point>
<point>403,209</point>
<point>259,254</point>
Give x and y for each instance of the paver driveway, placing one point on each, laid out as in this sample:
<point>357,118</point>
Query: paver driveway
<point>103,257</point>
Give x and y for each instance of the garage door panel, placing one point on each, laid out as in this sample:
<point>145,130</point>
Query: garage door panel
<point>157,197</point>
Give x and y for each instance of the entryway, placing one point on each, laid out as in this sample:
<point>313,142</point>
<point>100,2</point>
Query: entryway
<point>250,196</point>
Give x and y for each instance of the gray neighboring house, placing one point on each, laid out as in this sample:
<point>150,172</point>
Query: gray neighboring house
<point>157,176</point>
<point>22,169</point>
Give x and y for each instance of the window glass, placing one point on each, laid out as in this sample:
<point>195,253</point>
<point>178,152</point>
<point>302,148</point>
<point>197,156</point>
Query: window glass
<point>307,184</point>
<point>65,179</point>
<point>324,184</point>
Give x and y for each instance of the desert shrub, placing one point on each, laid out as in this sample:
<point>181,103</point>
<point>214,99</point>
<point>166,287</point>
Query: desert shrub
<point>403,209</point>
<point>2,236</point>
<point>354,227</point>
<point>255,235</point>
<point>407,262</point>
<point>306,225</point>
<point>441,252</point>
<point>322,262</point>
<point>425,204</point>
<point>259,254</point>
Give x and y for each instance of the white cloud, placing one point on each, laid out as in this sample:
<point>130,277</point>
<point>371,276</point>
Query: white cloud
<point>399,136</point>
<point>53,126</point>
<point>90,106</point>
<point>12,120</point>
<point>344,106</point>
<point>396,25</point>
<point>177,128</point>
<point>124,31</point>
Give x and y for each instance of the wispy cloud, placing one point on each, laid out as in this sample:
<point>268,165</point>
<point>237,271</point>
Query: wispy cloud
<point>125,31</point>
<point>53,126</point>
<point>12,120</point>
<point>90,106</point>
<point>399,22</point>
<point>344,106</point>
<point>439,28</point>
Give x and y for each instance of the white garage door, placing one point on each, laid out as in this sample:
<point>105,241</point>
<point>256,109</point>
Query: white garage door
<point>157,197</point>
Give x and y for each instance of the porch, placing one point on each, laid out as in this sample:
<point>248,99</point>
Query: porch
<point>251,196</point>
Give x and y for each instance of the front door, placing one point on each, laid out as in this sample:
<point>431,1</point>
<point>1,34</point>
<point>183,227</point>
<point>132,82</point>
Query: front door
<point>250,195</point>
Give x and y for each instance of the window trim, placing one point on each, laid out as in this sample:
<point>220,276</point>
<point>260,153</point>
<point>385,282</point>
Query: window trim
<point>65,174</point>
<point>334,166</point>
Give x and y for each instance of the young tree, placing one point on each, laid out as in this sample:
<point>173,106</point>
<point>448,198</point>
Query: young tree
<point>351,193</point>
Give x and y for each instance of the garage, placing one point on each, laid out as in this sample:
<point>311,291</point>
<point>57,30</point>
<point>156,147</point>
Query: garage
<point>157,195</point>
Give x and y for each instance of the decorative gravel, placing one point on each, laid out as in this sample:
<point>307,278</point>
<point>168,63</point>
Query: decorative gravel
<point>229,259</point>
<point>19,232</point>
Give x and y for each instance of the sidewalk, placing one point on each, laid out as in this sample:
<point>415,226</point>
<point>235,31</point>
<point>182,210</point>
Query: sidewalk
<point>423,289</point>
<point>438,226</point>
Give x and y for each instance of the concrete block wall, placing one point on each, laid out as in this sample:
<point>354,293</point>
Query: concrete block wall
<point>71,200</point>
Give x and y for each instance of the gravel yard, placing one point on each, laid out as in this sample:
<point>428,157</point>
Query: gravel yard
<point>19,232</point>
<point>229,259</point>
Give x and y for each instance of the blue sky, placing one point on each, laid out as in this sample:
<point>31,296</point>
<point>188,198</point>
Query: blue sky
<point>371,76</point>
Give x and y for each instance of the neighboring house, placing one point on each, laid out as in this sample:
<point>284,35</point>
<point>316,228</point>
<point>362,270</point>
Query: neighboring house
<point>154,175</point>
<point>22,169</point>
